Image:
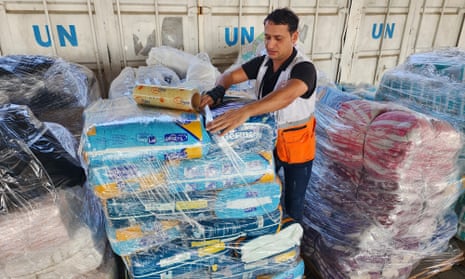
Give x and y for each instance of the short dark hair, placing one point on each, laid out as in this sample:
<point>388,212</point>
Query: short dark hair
<point>284,16</point>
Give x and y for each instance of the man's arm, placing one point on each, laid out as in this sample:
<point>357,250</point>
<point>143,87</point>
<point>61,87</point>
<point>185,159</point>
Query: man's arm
<point>276,100</point>
<point>226,80</point>
<point>232,77</point>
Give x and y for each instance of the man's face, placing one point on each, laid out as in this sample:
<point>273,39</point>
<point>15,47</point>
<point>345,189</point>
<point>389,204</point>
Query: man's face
<point>279,42</point>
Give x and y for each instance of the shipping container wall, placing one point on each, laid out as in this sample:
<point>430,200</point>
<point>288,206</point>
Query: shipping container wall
<point>227,26</point>
<point>349,41</point>
<point>68,29</point>
<point>143,25</point>
<point>103,35</point>
<point>382,33</point>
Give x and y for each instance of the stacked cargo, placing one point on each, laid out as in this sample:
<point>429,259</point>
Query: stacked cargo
<point>183,203</point>
<point>383,183</point>
<point>51,224</point>
<point>432,83</point>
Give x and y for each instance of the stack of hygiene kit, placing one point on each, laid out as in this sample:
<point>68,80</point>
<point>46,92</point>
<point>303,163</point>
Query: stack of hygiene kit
<point>383,184</point>
<point>181,203</point>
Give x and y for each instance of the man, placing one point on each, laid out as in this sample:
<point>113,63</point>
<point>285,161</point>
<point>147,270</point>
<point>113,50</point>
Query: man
<point>285,84</point>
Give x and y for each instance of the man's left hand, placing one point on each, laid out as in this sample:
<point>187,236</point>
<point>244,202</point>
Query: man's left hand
<point>228,121</point>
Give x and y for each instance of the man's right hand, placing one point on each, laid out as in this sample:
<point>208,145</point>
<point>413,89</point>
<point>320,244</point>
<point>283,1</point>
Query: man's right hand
<point>213,97</point>
<point>206,100</point>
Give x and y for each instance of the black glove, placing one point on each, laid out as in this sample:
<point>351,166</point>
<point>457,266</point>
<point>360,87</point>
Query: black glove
<point>217,94</point>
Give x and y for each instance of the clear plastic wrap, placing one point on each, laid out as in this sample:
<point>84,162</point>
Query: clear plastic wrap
<point>445,62</point>
<point>49,229</point>
<point>121,126</point>
<point>123,84</point>
<point>213,216</point>
<point>129,77</point>
<point>364,90</point>
<point>167,67</point>
<point>46,231</point>
<point>52,226</point>
<point>52,145</point>
<point>183,63</point>
<point>157,75</point>
<point>62,235</point>
<point>24,180</point>
<point>172,58</point>
<point>383,183</point>
<point>431,83</point>
<point>256,135</point>
<point>54,89</point>
<point>201,73</point>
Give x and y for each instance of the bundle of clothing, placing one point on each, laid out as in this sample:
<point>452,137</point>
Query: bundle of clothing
<point>54,89</point>
<point>383,184</point>
<point>52,226</point>
<point>431,83</point>
<point>25,141</point>
<point>50,232</point>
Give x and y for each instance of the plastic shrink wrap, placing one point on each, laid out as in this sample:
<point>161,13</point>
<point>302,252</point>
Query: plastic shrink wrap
<point>129,77</point>
<point>169,67</point>
<point>54,89</point>
<point>119,125</point>
<point>195,71</point>
<point>58,235</point>
<point>188,216</point>
<point>383,184</point>
<point>23,136</point>
<point>431,83</point>
<point>52,226</point>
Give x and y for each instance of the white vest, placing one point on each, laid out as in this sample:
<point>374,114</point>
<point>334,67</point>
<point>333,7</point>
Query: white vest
<point>300,110</point>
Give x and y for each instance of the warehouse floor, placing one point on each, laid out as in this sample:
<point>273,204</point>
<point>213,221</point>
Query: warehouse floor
<point>457,271</point>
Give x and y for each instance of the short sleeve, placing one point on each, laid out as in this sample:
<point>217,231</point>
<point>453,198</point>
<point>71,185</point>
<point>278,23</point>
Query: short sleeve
<point>306,72</point>
<point>251,67</point>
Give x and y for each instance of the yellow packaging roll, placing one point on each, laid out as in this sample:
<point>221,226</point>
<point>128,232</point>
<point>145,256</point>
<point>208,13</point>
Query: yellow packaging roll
<point>167,97</point>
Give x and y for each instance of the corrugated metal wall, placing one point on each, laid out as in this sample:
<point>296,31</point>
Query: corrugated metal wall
<point>350,41</point>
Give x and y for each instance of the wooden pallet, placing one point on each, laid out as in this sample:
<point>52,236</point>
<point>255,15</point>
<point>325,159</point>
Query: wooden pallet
<point>426,269</point>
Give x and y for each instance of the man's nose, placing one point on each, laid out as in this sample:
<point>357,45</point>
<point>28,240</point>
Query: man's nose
<point>270,43</point>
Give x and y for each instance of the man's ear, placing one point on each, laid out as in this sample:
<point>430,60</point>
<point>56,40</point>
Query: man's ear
<point>295,37</point>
